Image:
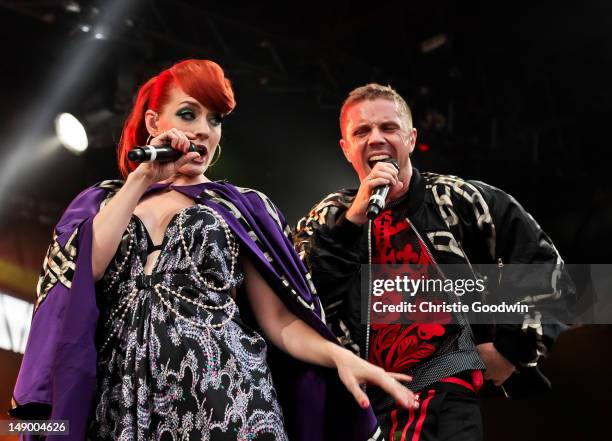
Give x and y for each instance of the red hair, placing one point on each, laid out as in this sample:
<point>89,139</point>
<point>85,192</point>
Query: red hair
<point>204,80</point>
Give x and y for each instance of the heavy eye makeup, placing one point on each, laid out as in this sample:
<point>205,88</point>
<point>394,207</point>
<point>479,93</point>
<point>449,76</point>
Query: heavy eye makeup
<point>215,119</point>
<point>186,113</point>
<point>189,114</point>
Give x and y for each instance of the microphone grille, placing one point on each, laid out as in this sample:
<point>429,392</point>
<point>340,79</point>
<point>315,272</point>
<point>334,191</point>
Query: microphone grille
<point>135,154</point>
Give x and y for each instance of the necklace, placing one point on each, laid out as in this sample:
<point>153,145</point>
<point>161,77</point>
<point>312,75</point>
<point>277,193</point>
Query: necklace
<point>230,307</point>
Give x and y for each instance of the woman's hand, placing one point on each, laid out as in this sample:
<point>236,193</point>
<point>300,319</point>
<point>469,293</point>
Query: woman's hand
<point>110,223</point>
<point>298,339</point>
<point>166,171</point>
<point>354,371</point>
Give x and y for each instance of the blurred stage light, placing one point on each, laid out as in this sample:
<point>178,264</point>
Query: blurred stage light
<point>72,6</point>
<point>15,318</point>
<point>433,43</point>
<point>69,72</point>
<point>71,133</point>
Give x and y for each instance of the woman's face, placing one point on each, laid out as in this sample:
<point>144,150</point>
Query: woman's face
<point>201,126</point>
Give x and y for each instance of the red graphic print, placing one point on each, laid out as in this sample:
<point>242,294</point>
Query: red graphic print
<point>397,347</point>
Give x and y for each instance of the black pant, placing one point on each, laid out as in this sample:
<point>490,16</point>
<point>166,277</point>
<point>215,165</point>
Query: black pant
<point>448,412</point>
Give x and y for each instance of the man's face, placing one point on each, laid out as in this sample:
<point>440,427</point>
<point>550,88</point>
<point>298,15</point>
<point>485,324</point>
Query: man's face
<point>376,130</point>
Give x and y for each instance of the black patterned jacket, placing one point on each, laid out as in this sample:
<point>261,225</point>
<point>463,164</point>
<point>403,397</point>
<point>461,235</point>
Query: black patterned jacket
<point>462,222</point>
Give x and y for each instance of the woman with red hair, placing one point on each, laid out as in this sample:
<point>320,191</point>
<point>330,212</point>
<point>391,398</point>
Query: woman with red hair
<point>159,296</point>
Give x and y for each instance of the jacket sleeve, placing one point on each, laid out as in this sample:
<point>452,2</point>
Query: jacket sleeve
<point>329,245</point>
<point>530,271</point>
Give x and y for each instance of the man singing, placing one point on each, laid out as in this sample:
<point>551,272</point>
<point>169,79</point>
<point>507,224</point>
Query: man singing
<point>428,219</point>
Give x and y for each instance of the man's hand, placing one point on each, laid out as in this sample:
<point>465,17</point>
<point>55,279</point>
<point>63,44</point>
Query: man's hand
<point>383,173</point>
<point>499,368</point>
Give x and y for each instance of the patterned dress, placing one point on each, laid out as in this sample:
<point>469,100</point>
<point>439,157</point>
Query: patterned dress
<point>175,360</point>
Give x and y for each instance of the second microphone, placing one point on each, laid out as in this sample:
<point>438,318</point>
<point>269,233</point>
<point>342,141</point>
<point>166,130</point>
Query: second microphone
<point>379,196</point>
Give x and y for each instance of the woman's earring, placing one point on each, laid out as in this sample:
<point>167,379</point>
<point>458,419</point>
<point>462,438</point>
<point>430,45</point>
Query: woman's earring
<point>216,159</point>
<point>149,139</point>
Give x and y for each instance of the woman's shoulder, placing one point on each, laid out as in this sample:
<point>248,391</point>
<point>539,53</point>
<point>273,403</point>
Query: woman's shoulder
<point>246,191</point>
<point>227,190</point>
<point>228,194</point>
<point>112,185</point>
<point>87,203</point>
<point>106,188</point>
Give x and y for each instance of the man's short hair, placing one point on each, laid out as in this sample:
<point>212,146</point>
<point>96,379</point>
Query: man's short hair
<point>371,92</point>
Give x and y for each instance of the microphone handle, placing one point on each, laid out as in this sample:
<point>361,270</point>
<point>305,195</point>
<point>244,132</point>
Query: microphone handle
<point>162,153</point>
<point>379,196</point>
<point>377,201</point>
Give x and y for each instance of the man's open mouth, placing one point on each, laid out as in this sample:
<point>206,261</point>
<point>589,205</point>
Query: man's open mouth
<point>372,160</point>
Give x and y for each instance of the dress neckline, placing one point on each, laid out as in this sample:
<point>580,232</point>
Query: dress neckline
<point>164,243</point>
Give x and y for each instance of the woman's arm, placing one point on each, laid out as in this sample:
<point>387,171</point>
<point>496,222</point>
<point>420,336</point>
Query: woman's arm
<point>110,223</point>
<point>294,336</point>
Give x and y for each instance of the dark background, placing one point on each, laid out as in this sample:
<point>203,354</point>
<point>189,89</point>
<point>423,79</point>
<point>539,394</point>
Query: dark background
<point>517,95</point>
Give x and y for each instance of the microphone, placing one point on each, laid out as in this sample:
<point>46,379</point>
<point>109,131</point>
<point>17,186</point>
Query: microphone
<point>160,153</point>
<point>377,199</point>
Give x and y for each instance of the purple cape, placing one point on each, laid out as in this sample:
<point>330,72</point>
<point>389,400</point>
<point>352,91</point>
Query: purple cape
<point>58,373</point>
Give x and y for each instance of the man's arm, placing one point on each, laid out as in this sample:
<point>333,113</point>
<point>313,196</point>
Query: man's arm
<point>518,239</point>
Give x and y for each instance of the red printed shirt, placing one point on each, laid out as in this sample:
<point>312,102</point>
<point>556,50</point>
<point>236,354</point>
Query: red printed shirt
<point>399,344</point>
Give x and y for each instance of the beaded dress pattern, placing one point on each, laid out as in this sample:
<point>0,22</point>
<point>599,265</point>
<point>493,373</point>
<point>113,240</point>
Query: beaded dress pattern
<point>175,360</point>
